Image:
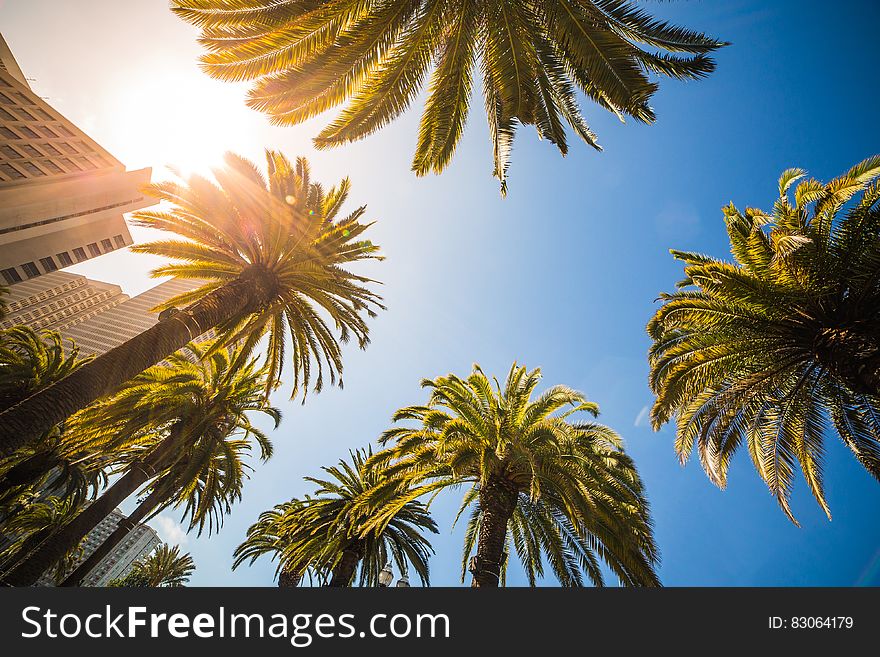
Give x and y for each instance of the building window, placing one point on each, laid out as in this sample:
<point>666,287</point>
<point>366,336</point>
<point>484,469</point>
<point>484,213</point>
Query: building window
<point>50,149</point>
<point>11,276</point>
<point>32,169</point>
<point>10,152</point>
<point>48,132</point>
<point>27,116</point>
<point>6,115</point>
<point>79,254</point>
<point>94,250</point>
<point>70,165</point>
<point>11,171</point>
<point>24,99</point>
<point>30,269</point>
<point>67,147</point>
<point>48,265</point>
<point>27,132</point>
<point>6,100</point>
<point>51,166</point>
<point>86,162</point>
<point>43,114</point>
<point>120,242</point>
<point>107,244</point>
<point>30,150</point>
<point>64,259</point>
<point>6,132</point>
<point>65,131</point>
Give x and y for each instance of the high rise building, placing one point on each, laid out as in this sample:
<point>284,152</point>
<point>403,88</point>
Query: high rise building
<point>59,301</point>
<point>114,325</point>
<point>138,543</point>
<point>95,315</point>
<point>62,195</point>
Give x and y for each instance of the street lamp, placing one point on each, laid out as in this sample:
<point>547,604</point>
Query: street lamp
<point>403,582</point>
<point>386,575</point>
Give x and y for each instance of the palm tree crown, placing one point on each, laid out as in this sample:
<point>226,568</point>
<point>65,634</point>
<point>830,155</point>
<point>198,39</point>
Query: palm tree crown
<point>328,532</point>
<point>164,567</point>
<point>551,485</point>
<point>769,347</point>
<point>30,361</point>
<point>197,406</point>
<point>533,57</point>
<point>284,231</point>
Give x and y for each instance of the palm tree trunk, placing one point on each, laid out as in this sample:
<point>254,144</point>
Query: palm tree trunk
<point>287,578</point>
<point>497,503</point>
<point>29,569</point>
<point>344,571</point>
<point>27,471</point>
<point>23,423</point>
<point>144,509</point>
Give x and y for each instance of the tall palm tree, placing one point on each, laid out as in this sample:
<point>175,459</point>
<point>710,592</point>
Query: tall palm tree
<point>553,486</point>
<point>765,349</point>
<point>273,253</point>
<point>190,420</point>
<point>164,567</point>
<point>327,532</point>
<point>533,56</point>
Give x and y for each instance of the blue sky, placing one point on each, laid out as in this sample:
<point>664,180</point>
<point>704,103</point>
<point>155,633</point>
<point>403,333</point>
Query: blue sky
<point>561,274</point>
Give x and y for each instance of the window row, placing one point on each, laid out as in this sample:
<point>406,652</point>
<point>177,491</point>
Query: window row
<point>40,168</point>
<point>15,98</point>
<point>57,131</point>
<point>33,114</point>
<point>21,151</point>
<point>30,269</point>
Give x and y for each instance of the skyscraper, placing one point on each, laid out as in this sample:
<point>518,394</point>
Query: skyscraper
<point>58,301</point>
<point>95,315</point>
<point>62,196</point>
<point>138,543</point>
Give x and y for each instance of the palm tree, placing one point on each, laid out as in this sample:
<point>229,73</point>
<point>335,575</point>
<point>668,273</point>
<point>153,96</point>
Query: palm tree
<point>58,463</point>
<point>274,531</point>
<point>304,58</point>
<point>4,308</point>
<point>31,361</point>
<point>327,532</point>
<point>190,420</point>
<point>164,567</point>
<point>766,349</point>
<point>33,524</point>
<point>273,256</point>
<point>565,489</point>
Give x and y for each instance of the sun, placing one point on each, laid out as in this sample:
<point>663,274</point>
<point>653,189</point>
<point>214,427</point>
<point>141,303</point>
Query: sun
<point>181,120</point>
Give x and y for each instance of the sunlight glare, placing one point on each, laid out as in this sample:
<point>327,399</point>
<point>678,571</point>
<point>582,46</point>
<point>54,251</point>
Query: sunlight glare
<point>182,121</point>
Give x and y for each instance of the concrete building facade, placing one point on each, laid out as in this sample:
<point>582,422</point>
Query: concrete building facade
<point>137,544</point>
<point>96,316</point>
<point>62,195</point>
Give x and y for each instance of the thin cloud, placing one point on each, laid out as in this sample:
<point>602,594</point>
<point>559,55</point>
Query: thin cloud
<point>642,418</point>
<point>169,530</point>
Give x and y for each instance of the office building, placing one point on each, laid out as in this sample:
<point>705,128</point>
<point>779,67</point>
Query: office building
<point>96,316</point>
<point>62,195</point>
<point>137,544</point>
